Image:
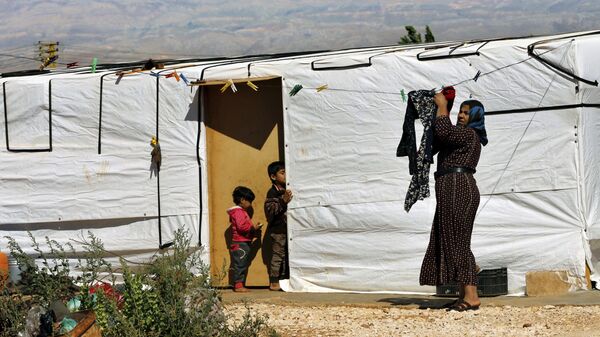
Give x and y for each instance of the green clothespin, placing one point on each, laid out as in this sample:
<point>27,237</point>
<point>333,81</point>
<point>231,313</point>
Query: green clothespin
<point>403,95</point>
<point>296,89</point>
<point>94,64</point>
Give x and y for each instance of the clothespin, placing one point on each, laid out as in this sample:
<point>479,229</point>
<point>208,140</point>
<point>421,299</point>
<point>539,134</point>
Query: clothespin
<point>122,73</point>
<point>184,79</point>
<point>177,78</point>
<point>173,74</point>
<point>252,85</point>
<point>228,84</point>
<point>323,87</point>
<point>403,95</point>
<point>477,75</point>
<point>94,64</point>
<point>120,76</point>
<point>154,74</point>
<point>295,89</point>
<point>155,154</point>
<point>72,65</point>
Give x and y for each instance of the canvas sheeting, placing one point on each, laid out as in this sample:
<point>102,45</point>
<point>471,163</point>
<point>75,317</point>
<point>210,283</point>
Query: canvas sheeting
<point>347,227</point>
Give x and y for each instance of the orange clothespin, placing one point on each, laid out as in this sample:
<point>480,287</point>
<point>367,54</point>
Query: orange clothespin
<point>173,74</point>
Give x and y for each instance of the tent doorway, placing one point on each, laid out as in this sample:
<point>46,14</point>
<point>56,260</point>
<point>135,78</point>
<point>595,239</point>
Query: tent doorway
<point>244,133</point>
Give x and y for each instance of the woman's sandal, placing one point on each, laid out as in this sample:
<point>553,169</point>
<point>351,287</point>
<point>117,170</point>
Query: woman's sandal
<point>463,305</point>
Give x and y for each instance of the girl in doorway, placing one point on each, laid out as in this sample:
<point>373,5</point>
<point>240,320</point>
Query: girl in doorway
<point>243,232</point>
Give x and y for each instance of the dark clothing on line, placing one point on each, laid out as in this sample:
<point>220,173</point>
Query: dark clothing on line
<point>449,257</point>
<point>424,110</point>
<point>421,105</point>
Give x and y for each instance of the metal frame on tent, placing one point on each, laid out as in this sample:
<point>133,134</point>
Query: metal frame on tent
<point>531,52</point>
<point>49,149</point>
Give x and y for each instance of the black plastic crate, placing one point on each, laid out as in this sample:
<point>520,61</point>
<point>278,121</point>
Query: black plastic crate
<point>492,282</point>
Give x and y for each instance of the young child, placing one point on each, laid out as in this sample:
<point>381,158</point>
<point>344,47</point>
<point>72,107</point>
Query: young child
<point>243,231</point>
<point>276,203</point>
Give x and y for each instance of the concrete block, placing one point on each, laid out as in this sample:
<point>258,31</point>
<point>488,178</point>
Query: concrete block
<point>553,282</point>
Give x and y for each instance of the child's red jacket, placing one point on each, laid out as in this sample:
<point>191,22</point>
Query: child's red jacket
<point>241,224</point>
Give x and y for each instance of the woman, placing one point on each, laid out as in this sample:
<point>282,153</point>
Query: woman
<point>449,257</point>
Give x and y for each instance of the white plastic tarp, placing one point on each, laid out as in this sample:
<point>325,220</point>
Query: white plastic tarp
<point>348,230</point>
<point>73,189</point>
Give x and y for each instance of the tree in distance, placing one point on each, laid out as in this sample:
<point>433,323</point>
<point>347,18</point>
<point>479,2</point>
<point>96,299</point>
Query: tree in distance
<point>413,37</point>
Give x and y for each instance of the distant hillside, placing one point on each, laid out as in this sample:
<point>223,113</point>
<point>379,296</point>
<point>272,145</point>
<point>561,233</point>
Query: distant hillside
<point>140,29</point>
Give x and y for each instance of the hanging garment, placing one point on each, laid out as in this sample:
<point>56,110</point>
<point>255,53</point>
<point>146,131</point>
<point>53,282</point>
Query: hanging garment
<point>422,106</point>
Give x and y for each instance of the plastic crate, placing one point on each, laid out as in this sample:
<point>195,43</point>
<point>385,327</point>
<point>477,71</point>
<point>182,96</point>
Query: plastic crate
<point>492,282</point>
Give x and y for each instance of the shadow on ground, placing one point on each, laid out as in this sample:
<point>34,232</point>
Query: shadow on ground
<point>422,303</point>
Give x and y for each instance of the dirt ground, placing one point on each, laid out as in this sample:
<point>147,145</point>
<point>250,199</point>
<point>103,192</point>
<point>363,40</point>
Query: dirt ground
<point>303,316</point>
<point>312,321</point>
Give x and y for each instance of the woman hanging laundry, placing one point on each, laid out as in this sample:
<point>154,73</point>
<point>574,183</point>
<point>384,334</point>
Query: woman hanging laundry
<point>449,257</point>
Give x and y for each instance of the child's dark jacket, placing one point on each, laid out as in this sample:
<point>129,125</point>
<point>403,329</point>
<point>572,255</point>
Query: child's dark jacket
<point>275,210</point>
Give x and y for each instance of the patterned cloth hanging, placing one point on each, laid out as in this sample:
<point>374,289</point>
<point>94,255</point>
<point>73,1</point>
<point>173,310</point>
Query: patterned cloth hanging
<point>421,106</point>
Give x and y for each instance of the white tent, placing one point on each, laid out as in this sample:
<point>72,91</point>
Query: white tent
<point>74,156</point>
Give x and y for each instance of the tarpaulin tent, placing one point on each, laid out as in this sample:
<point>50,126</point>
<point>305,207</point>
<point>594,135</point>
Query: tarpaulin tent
<point>75,156</point>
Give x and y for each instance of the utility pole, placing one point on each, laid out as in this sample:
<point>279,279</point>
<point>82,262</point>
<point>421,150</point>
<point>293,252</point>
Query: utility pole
<point>48,53</point>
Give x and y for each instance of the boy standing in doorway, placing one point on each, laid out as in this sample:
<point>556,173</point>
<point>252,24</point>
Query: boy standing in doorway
<point>276,203</point>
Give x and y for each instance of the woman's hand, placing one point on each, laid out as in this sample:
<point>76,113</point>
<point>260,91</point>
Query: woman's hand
<point>440,100</point>
<point>442,104</point>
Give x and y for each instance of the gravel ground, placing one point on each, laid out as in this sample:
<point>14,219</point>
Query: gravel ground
<point>327,320</point>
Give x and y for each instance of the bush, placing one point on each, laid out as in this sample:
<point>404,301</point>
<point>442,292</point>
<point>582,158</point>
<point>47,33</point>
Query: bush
<point>169,296</point>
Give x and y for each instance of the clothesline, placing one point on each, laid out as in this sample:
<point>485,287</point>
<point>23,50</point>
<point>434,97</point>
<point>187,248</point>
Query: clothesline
<point>475,78</point>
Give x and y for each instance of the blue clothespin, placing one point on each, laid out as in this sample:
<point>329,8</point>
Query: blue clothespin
<point>184,79</point>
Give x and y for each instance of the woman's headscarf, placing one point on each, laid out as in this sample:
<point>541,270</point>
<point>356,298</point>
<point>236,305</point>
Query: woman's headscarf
<point>477,119</point>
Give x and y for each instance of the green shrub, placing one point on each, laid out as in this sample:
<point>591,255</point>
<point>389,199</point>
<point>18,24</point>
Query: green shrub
<point>50,282</point>
<point>169,296</point>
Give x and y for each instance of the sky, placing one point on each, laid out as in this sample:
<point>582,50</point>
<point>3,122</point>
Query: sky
<point>134,30</point>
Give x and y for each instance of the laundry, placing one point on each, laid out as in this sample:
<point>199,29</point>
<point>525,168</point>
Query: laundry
<point>421,106</point>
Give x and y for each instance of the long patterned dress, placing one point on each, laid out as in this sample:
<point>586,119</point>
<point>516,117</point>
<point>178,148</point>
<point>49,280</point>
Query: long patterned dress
<point>449,256</point>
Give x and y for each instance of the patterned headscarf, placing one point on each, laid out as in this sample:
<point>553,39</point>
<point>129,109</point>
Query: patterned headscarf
<point>477,119</point>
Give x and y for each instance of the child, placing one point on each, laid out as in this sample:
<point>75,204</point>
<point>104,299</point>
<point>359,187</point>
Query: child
<point>276,212</point>
<point>243,231</point>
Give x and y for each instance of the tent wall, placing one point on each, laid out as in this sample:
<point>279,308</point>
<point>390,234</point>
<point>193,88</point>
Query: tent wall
<point>348,230</point>
<point>74,188</point>
<point>590,182</point>
<point>589,135</point>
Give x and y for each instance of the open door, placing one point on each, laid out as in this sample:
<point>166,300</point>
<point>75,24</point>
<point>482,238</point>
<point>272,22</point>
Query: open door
<point>244,134</point>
